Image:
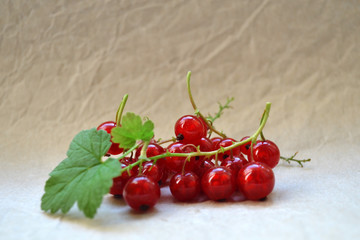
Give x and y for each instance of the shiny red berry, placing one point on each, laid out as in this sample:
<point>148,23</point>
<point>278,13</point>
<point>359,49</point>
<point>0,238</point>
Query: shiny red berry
<point>226,142</point>
<point>153,150</point>
<point>108,126</point>
<point>141,193</point>
<point>234,164</point>
<point>216,141</point>
<point>152,171</point>
<point>245,148</point>
<point>189,129</point>
<point>201,167</point>
<point>218,183</point>
<point>176,164</point>
<point>204,124</point>
<point>120,182</point>
<point>256,180</point>
<point>185,187</point>
<point>266,152</point>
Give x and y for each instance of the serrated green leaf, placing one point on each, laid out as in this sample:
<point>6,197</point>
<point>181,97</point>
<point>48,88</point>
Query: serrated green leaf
<point>82,177</point>
<point>131,130</point>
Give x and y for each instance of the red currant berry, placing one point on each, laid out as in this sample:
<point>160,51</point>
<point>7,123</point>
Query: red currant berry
<point>216,141</point>
<point>266,152</point>
<point>176,164</point>
<point>185,187</point>
<point>256,180</point>
<point>153,150</point>
<point>204,124</point>
<point>165,176</point>
<point>189,129</point>
<point>119,182</point>
<point>226,142</point>
<point>245,148</point>
<point>152,171</point>
<point>126,160</point>
<point>201,167</point>
<point>206,145</point>
<point>234,164</point>
<point>108,126</point>
<point>218,183</point>
<point>141,193</point>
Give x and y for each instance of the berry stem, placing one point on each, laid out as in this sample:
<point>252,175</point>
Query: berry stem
<point>166,141</point>
<point>221,110</point>
<point>120,110</point>
<point>199,153</point>
<point>197,110</point>
<point>261,133</point>
<point>295,160</point>
<point>143,155</point>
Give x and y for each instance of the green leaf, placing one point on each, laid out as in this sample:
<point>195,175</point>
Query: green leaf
<point>82,177</point>
<point>131,130</point>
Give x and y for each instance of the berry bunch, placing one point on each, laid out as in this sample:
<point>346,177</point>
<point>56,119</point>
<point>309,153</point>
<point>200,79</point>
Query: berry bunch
<point>217,175</point>
<point>136,165</point>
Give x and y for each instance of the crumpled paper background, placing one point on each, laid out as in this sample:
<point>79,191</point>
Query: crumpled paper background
<point>65,65</point>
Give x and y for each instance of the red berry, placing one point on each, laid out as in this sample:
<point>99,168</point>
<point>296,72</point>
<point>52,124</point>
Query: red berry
<point>205,145</point>
<point>153,150</point>
<point>256,180</point>
<point>141,193</point>
<point>189,129</point>
<point>245,148</point>
<point>165,175</point>
<point>108,126</point>
<point>226,142</point>
<point>216,141</point>
<point>204,124</point>
<point>218,183</point>
<point>234,164</point>
<point>152,171</point>
<point>185,187</point>
<point>120,182</point>
<point>266,152</point>
<point>176,163</point>
<point>201,167</point>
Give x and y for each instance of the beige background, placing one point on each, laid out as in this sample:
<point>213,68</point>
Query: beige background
<point>65,65</point>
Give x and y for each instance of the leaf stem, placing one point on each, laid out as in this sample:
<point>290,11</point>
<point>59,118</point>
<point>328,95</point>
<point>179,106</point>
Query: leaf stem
<point>197,110</point>
<point>120,110</point>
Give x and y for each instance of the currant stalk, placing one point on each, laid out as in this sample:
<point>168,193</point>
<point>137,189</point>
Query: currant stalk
<point>295,160</point>
<point>200,153</point>
<point>211,127</point>
<point>121,109</point>
<point>143,155</point>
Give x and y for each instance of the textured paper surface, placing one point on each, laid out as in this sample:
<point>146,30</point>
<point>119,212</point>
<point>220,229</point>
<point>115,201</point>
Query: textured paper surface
<point>65,65</point>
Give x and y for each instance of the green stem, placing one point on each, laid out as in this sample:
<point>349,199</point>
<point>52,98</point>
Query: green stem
<point>120,110</point>
<point>143,155</point>
<point>197,110</point>
<point>215,152</point>
<point>261,133</point>
<point>167,141</point>
<point>262,136</point>
<point>125,154</point>
<point>295,160</point>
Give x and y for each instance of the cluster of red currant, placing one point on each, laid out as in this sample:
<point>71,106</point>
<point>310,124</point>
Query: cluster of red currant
<point>195,163</point>
<point>192,163</point>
